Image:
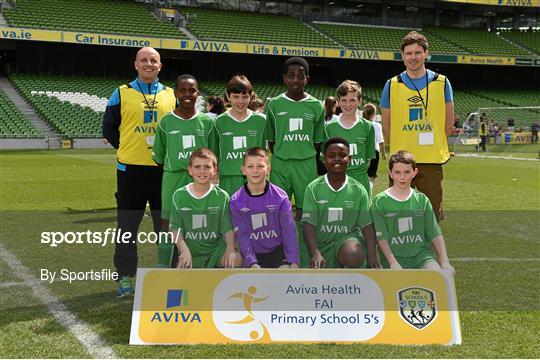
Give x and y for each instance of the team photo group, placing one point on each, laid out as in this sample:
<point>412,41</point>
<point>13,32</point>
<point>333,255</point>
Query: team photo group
<point>287,187</point>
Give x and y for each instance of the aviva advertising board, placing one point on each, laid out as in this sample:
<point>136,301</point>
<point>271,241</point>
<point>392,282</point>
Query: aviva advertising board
<point>11,33</point>
<point>294,306</point>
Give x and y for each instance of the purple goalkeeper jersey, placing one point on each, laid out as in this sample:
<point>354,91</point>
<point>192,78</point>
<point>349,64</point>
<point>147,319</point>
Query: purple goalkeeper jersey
<point>264,222</point>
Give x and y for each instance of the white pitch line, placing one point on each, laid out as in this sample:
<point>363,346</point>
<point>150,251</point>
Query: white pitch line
<point>495,259</point>
<point>95,346</point>
<point>11,284</point>
<point>495,157</point>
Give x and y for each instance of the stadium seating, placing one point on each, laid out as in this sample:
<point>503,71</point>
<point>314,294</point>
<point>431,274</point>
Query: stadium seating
<point>476,41</point>
<point>96,16</point>
<point>363,37</point>
<point>528,39</point>
<point>13,123</point>
<point>73,107</point>
<point>225,25</point>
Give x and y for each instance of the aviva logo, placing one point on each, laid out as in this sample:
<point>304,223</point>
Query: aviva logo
<point>416,114</point>
<point>177,297</point>
<point>258,220</point>
<point>296,124</point>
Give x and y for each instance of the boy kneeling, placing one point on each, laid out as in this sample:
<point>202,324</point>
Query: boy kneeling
<point>407,230</point>
<point>336,209</point>
<point>262,216</point>
<point>201,218</point>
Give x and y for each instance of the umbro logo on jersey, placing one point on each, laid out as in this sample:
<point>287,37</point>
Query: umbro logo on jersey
<point>322,201</point>
<point>174,132</point>
<point>282,113</point>
<point>244,209</point>
<point>390,214</point>
<point>227,133</point>
<point>415,99</point>
<point>185,209</point>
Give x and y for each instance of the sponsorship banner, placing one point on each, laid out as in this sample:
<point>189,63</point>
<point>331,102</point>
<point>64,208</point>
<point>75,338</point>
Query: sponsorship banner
<point>516,138</point>
<point>485,60</point>
<point>262,49</point>
<point>500,2</point>
<point>30,34</point>
<point>213,46</point>
<point>360,54</point>
<point>110,40</point>
<point>294,306</point>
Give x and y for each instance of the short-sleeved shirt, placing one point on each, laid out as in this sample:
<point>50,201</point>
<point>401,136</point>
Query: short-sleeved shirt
<point>176,138</point>
<point>378,134</point>
<point>202,221</point>
<point>294,126</point>
<point>336,213</point>
<point>263,223</point>
<point>409,226</point>
<point>361,137</point>
<point>420,83</point>
<point>234,137</point>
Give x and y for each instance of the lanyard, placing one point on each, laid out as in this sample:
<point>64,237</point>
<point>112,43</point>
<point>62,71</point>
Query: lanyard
<point>147,102</point>
<point>424,105</point>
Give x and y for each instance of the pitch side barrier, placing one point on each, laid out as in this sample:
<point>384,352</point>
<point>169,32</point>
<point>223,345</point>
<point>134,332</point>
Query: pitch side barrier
<point>29,34</point>
<point>207,306</point>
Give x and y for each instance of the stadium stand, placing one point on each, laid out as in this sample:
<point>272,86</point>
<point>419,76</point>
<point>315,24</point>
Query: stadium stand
<point>529,39</point>
<point>13,123</point>
<point>95,16</point>
<point>73,107</point>
<point>363,37</point>
<point>225,25</point>
<point>476,41</point>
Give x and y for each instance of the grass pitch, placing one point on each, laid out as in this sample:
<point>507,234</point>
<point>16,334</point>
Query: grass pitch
<point>492,213</point>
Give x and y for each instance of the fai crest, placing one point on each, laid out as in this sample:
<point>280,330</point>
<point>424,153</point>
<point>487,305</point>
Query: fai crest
<point>417,306</point>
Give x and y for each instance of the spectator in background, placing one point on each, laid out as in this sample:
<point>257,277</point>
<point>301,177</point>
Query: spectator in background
<point>330,107</point>
<point>214,106</point>
<point>534,132</point>
<point>256,105</point>
<point>369,113</point>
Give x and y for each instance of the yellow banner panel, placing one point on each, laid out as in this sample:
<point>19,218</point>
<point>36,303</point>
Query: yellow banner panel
<point>485,60</point>
<point>294,306</point>
<point>284,50</point>
<point>360,54</point>
<point>30,34</point>
<point>213,46</point>
<point>110,40</point>
<point>532,3</point>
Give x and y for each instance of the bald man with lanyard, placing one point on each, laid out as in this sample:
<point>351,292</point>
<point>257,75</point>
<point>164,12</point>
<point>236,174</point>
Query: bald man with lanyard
<point>417,110</point>
<point>129,124</point>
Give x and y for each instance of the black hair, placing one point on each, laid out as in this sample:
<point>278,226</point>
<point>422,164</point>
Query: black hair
<point>300,61</point>
<point>335,140</point>
<point>185,77</point>
<point>217,104</point>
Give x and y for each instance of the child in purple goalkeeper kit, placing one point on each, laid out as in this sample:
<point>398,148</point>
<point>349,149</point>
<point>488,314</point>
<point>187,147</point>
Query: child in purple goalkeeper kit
<point>262,217</point>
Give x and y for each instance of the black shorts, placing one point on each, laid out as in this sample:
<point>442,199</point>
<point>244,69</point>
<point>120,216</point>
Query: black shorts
<point>273,259</point>
<point>373,166</point>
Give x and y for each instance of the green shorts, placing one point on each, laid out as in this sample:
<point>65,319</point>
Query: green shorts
<point>330,251</point>
<point>172,181</point>
<point>413,262</point>
<point>362,177</point>
<point>231,183</point>
<point>210,260</point>
<point>293,176</point>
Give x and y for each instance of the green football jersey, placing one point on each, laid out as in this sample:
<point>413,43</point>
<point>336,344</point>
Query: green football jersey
<point>204,221</point>
<point>294,126</point>
<point>336,213</point>
<point>361,137</point>
<point>235,137</point>
<point>409,226</point>
<point>176,138</point>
